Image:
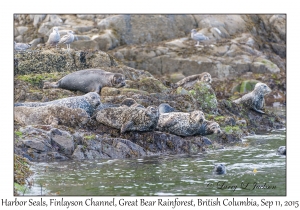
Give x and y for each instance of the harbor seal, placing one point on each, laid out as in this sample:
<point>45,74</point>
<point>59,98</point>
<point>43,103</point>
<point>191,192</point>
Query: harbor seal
<point>281,150</point>
<point>208,127</point>
<point>129,118</point>
<point>189,81</point>
<point>255,99</point>
<point>50,115</point>
<point>181,123</point>
<point>88,102</point>
<point>165,108</point>
<point>219,169</point>
<point>88,80</point>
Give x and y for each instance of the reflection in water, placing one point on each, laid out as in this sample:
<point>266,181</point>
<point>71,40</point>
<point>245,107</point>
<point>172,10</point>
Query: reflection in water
<point>253,168</point>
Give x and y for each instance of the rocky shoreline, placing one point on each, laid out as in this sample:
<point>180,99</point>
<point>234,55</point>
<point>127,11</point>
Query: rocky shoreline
<point>153,52</point>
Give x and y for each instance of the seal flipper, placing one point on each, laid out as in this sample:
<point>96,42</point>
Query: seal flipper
<point>125,126</point>
<point>48,85</point>
<point>257,110</point>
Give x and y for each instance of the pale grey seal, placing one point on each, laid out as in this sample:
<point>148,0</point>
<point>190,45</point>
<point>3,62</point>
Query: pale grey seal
<point>87,102</point>
<point>165,108</point>
<point>255,99</point>
<point>189,81</point>
<point>181,123</point>
<point>88,80</point>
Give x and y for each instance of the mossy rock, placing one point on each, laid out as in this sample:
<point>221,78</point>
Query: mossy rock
<point>175,77</point>
<point>205,96</point>
<point>110,91</point>
<point>182,91</point>
<point>245,87</point>
<point>232,129</point>
<point>124,91</point>
<point>151,85</point>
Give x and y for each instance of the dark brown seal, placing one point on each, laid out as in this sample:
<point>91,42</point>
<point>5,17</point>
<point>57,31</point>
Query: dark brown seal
<point>88,80</point>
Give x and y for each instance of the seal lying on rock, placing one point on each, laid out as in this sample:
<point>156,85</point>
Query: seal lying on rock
<point>208,127</point>
<point>189,81</point>
<point>87,102</point>
<point>281,150</point>
<point>129,118</point>
<point>50,115</point>
<point>255,99</point>
<point>88,80</point>
<point>219,169</point>
<point>180,123</point>
<point>165,108</point>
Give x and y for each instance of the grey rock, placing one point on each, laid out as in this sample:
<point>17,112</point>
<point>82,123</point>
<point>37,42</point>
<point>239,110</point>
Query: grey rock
<point>63,140</point>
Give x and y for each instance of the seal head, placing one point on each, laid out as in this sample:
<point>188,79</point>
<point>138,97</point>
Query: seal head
<point>219,169</point>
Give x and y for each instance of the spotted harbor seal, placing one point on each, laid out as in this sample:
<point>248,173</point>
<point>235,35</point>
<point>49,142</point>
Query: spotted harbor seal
<point>129,118</point>
<point>219,169</point>
<point>281,150</point>
<point>180,123</point>
<point>87,102</point>
<point>208,127</point>
<point>189,81</point>
<point>50,115</point>
<point>88,80</point>
<point>255,99</point>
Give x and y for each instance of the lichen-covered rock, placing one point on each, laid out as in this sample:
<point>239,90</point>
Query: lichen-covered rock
<point>205,96</point>
<point>50,115</point>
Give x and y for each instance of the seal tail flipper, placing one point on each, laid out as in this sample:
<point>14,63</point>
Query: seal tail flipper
<point>48,85</point>
<point>125,126</point>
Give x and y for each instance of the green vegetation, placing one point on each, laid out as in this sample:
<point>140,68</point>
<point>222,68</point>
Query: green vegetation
<point>37,79</point>
<point>231,129</point>
<point>90,137</point>
<point>19,133</point>
<point>21,173</point>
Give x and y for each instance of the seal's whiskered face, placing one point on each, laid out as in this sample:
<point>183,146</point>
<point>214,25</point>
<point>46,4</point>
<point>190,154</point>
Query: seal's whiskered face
<point>197,116</point>
<point>215,127</point>
<point>220,168</point>
<point>262,88</point>
<point>119,80</point>
<point>93,98</point>
<point>206,78</point>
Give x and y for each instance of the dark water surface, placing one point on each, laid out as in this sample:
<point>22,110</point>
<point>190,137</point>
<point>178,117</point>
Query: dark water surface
<point>253,162</point>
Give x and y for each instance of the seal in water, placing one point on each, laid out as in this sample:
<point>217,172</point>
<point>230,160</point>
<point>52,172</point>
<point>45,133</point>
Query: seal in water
<point>219,169</point>
<point>50,115</point>
<point>88,80</point>
<point>87,102</point>
<point>255,99</point>
<point>189,81</point>
<point>208,127</point>
<point>181,123</point>
<point>281,150</point>
<point>129,118</point>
